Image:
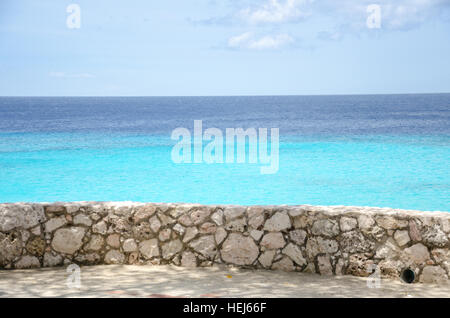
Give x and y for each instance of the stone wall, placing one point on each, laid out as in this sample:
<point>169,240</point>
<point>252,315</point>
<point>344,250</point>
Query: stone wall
<point>326,240</point>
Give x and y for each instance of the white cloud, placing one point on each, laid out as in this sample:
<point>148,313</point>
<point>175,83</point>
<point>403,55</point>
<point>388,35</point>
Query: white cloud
<point>271,42</point>
<point>239,40</point>
<point>395,14</point>
<point>248,41</point>
<point>337,18</point>
<point>275,12</point>
<point>65,75</point>
<point>407,14</point>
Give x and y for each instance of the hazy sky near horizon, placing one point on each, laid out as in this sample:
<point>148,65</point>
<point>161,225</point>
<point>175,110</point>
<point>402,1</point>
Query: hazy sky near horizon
<point>223,47</point>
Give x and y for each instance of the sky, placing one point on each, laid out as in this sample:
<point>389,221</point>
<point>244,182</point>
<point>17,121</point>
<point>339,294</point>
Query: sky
<point>223,47</point>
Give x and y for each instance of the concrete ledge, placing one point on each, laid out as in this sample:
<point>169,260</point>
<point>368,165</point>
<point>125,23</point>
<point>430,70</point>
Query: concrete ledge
<point>339,240</point>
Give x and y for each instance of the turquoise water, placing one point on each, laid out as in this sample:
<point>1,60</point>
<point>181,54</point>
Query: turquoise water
<point>387,171</point>
<point>369,150</point>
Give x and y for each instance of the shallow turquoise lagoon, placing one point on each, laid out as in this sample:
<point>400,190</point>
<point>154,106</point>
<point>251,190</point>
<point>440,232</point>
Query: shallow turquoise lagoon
<point>388,171</point>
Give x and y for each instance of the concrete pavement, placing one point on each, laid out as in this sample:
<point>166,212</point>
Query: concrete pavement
<point>171,281</point>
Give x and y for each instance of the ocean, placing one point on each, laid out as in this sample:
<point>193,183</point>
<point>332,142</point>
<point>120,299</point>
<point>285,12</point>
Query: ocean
<point>364,150</point>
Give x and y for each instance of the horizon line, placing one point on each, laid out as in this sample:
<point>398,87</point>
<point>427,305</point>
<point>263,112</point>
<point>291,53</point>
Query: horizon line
<point>243,95</point>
